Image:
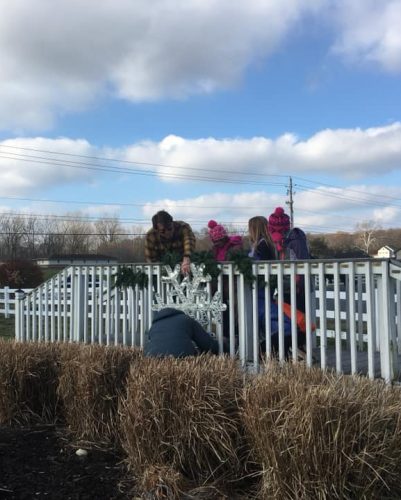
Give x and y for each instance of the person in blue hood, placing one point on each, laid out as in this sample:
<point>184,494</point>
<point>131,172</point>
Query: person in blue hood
<point>173,333</point>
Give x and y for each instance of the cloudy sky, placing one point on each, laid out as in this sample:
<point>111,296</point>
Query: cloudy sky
<point>202,107</point>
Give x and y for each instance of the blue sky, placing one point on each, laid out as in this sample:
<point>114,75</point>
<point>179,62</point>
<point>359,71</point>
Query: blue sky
<point>118,108</point>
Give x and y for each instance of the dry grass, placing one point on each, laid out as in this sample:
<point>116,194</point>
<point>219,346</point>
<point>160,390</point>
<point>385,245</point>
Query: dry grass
<point>7,328</point>
<point>195,428</point>
<point>316,435</point>
<point>28,382</point>
<point>91,381</point>
<point>180,418</point>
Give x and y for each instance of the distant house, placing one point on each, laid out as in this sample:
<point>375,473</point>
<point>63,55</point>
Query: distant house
<point>76,260</point>
<point>387,252</point>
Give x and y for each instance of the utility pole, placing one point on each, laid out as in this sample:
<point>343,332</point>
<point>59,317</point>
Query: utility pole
<point>290,202</point>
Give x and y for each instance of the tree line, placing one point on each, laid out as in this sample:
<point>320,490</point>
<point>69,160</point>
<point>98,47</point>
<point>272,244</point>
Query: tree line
<point>365,240</point>
<point>30,237</point>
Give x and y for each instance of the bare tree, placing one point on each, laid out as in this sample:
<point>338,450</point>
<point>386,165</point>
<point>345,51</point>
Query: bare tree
<point>32,227</point>
<point>78,235</point>
<point>108,230</point>
<point>138,244</point>
<point>366,235</point>
<point>51,239</point>
<point>12,233</point>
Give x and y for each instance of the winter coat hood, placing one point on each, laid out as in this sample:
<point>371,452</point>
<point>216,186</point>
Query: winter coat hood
<point>220,253</point>
<point>167,312</point>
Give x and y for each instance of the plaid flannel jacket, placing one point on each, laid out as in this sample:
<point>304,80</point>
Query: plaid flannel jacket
<point>181,242</point>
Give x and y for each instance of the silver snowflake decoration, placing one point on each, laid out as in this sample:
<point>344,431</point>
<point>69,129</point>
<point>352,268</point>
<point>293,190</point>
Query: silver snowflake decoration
<point>190,295</point>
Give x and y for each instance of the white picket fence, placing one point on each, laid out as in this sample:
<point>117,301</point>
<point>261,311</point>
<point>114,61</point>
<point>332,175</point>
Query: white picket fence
<point>356,315</point>
<point>8,301</point>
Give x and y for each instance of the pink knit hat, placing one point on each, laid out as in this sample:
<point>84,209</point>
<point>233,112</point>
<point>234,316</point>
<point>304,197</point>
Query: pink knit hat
<point>279,222</point>
<point>216,231</point>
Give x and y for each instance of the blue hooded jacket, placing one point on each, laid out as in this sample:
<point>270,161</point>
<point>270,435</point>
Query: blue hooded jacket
<point>173,333</point>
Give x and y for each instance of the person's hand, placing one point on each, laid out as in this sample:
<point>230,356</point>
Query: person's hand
<point>185,265</point>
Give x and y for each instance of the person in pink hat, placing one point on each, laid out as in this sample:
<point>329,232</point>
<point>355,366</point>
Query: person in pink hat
<point>290,244</point>
<point>222,243</point>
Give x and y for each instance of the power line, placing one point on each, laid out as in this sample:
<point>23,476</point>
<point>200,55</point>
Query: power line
<point>94,166</point>
<point>148,173</point>
<point>310,181</point>
<point>138,221</point>
<point>335,214</point>
<point>105,168</point>
<point>162,165</point>
<point>134,162</point>
<point>67,202</point>
<point>350,199</point>
<point>163,204</point>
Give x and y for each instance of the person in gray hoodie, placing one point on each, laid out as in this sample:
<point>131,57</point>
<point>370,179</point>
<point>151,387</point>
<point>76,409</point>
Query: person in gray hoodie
<point>173,333</point>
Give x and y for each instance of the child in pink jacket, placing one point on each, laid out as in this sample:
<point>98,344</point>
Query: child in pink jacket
<point>222,243</point>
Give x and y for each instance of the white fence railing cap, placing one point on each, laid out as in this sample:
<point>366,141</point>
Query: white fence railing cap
<point>395,269</point>
<point>286,265</point>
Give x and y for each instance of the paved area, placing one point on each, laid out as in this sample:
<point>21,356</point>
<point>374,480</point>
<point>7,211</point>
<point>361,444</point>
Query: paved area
<point>362,361</point>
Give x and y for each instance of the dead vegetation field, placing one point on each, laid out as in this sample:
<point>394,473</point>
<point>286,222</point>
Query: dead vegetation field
<point>190,428</point>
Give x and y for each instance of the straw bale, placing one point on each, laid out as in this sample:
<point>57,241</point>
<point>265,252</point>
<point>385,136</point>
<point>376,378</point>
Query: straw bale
<point>91,380</point>
<point>183,414</point>
<point>28,382</point>
<point>318,435</point>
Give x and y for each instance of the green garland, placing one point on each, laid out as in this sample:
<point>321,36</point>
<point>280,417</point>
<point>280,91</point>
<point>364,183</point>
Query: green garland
<point>171,259</point>
<point>240,259</point>
<point>206,258</point>
<point>243,263</point>
<point>126,277</point>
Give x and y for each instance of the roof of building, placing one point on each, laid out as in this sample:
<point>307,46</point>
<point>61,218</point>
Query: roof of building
<point>387,247</point>
<point>78,256</point>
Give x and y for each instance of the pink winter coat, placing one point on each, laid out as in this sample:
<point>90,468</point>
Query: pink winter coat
<point>220,253</point>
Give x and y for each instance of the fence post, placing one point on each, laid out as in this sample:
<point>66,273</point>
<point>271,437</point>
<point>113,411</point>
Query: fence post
<point>19,297</point>
<point>6,290</point>
<point>78,309</point>
<point>386,342</point>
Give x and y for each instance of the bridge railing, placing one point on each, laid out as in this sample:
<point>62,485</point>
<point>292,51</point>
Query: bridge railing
<point>351,311</point>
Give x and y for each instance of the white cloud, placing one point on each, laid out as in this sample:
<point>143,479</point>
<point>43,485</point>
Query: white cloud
<point>216,204</point>
<point>26,171</point>
<point>58,58</point>
<point>350,152</point>
<point>330,153</point>
<point>341,209</point>
<point>319,209</point>
<point>369,30</point>
<point>261,161</point>
<point>102,211</point>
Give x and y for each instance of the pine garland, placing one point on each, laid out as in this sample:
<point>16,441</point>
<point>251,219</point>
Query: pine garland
<point>171,259</point>
<point>240,259</point>
<point>126,277</point>
<point>206,258</point>
<point>243,263</point>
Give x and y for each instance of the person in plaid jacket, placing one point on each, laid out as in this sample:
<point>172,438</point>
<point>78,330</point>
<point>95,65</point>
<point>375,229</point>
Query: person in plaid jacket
<point>168,235</point>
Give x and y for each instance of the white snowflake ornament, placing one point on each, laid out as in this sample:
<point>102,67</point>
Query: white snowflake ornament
<point>190,294</point>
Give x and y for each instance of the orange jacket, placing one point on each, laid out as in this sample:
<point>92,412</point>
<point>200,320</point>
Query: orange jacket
<point>301,321</point>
